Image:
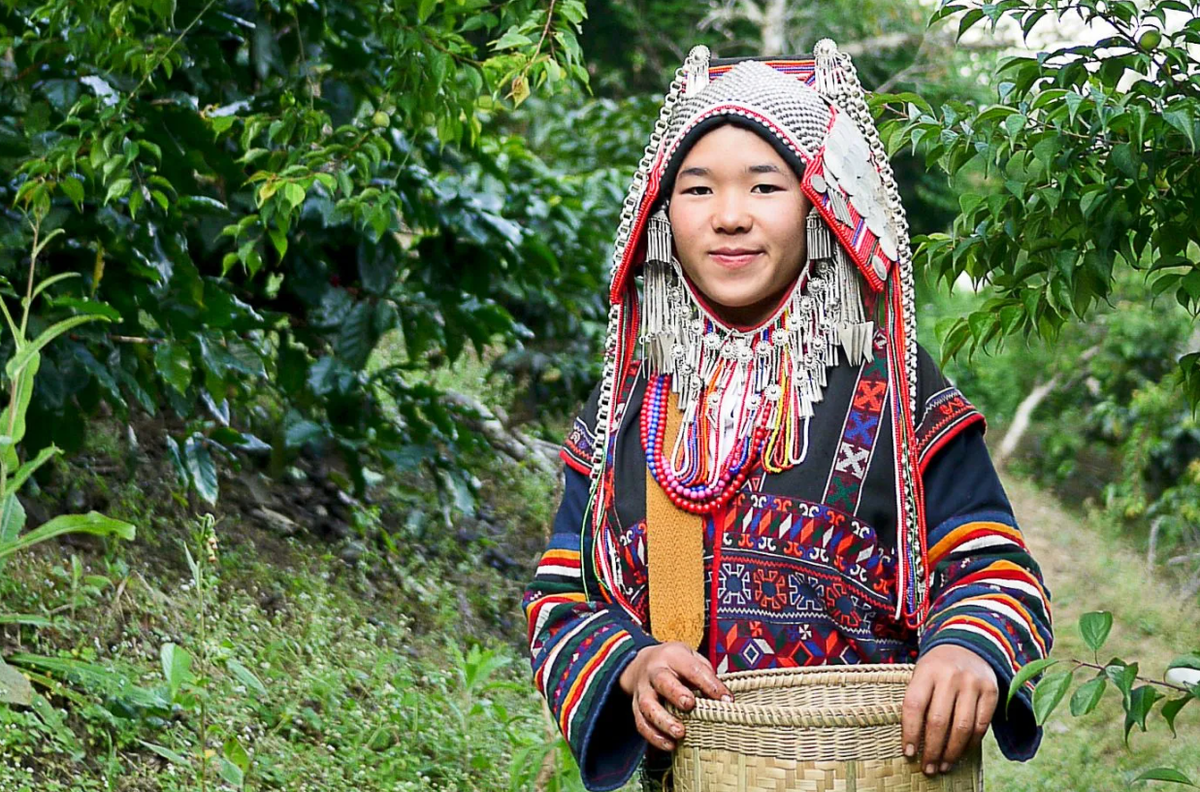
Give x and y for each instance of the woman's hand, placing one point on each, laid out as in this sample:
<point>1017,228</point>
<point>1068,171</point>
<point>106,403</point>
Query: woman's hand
<point>950,701</point>
<point>663,673</point>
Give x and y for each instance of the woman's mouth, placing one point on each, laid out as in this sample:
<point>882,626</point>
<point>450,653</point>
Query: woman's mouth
<point>734,258</point>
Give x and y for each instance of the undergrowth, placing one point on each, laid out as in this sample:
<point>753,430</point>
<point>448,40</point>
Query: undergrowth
<point>219,655</point>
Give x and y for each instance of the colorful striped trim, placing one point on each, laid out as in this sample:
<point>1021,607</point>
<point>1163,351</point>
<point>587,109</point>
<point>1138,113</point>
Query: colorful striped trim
<point>986,630</point>
<point>803,69</point>
<point>992,596</point>
<point>592,670</point>
<point>972,535</point>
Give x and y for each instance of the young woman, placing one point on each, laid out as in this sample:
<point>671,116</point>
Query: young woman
<point>772,472</point>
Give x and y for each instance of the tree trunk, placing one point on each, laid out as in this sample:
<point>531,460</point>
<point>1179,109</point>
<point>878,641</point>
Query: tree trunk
<point>1024,414</point>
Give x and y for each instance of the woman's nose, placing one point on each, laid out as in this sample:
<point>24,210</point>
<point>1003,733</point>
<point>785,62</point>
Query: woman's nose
<point>730,216</point>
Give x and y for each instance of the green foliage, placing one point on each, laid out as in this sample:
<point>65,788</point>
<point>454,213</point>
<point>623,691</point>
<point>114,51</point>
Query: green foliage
<point>328,688</point>
<point>189,678</point>
<point>1137,702</point>
<point>21,372</point>
<point>1086,169</point>
<point>256,193</point>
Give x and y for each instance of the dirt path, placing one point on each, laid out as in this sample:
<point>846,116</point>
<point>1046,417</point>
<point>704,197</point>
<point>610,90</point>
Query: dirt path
<point>1087,568</point>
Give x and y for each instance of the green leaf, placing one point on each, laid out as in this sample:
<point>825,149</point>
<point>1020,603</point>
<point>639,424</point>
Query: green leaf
<point>230,773</point>
<point>177,460</point>
<point>1141,701</point>
<point>176,666</point>
<point>1049,693</point>
<point>14,686</point>
<point>301,432</point>
<point>511,40</point>
<point>1028,672</point>
<point>222,123</point>
<point>29,619</point>
<point>1185,661</point>
<point>52,332</point>
<point>174,364</point>
<point>90,307</point>
<point>1125,160</point>
<point>235,753</point>
<point>1182,120</point>
<point>424,9</point>
<point>117,190</point>
<point>73,189</point>
<point>166,753</point>
<point>293,193</point>
<point>91,523</point>
<point>25,471</point>
<point>1094,627</point>
<point>12,519</point>
<point>202,468</point>
<point>246,677</point>
<point>18,405</point>
<point>355,338</point>
<point>1171,709</point>
<point>1164,774</point>
<point>968,21</point>
<point>279,240</point>
<point>1088,696</point>
<point>1122,675</point>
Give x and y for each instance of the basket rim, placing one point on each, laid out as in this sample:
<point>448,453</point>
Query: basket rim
<point>734,714</point>
<point>877,674</point>
<point>849,715</point>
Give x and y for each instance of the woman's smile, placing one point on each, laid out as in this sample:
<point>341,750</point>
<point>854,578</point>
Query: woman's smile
<point>735,258</point>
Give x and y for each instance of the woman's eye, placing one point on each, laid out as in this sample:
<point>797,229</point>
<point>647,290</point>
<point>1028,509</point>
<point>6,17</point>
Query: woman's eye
<point>692,190</point>
<point>770,188</point>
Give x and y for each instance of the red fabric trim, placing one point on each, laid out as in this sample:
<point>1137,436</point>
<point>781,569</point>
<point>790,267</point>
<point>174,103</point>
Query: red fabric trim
<point>574,463</point>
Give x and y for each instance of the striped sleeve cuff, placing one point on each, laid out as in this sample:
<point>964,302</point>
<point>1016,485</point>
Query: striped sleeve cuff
<point>989,598</point>
<point>579,648</point>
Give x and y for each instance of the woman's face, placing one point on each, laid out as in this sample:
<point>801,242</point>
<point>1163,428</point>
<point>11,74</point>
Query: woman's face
<point>738,219</point>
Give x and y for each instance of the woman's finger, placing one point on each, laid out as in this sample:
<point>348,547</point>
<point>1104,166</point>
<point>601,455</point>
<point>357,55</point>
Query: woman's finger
<point>697,671</point>
<point>659,718</point>
<point>963,729</point>
<point>671,689</point>
<point>912,713</point>
<point>647,729</point>
<point>985,710</point>
<point>938,719</point>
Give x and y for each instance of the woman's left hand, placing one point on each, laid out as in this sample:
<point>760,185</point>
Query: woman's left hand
<point>950,702</point>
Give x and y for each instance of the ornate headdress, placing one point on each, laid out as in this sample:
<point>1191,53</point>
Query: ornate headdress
<point>814,112</point>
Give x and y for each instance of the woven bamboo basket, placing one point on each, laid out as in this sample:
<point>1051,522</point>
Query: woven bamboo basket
<point>821,729</point>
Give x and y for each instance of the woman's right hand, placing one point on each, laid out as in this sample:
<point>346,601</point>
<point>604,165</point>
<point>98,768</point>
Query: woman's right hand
<point>667,673</point>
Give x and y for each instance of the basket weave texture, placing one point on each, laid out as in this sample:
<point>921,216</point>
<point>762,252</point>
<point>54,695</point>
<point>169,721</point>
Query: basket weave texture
<point>817,729</point>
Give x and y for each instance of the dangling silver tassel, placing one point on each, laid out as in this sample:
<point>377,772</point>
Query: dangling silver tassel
<point>820,239</point>
<point>658,237</point>
<point>696,70</point>
<point>854,330</point>
<point>828,73</point>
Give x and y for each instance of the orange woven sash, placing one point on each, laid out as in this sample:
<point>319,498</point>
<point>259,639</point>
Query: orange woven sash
<point>674,557</point>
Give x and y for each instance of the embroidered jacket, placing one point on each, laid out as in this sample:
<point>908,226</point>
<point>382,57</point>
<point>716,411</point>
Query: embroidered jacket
<point>799,567</point>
